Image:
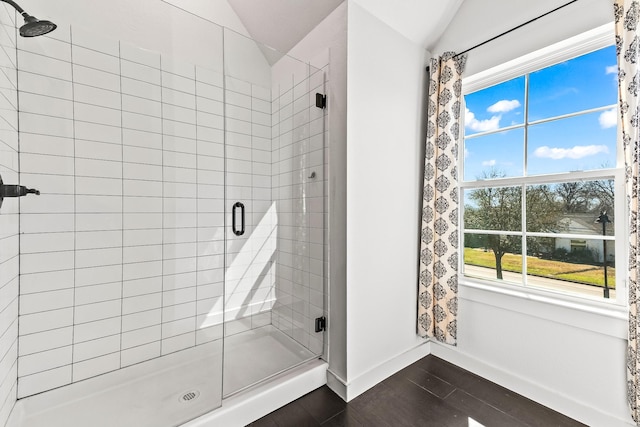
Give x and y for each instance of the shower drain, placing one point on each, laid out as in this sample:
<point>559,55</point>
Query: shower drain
<point>189,396</point>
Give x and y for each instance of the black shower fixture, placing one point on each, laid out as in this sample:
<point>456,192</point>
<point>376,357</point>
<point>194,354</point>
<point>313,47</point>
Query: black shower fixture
<point>15,191</point>
<point>32,26</point>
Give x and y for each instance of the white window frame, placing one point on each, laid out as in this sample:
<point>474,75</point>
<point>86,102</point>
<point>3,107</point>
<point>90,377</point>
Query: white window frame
<point>567,49</point>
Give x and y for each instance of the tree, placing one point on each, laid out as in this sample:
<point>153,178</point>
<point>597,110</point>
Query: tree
<point>496,208</point>
<point>603,191</point>
<point>500,208</point>
<point>574,196</point>
<point>586,196</point>
<point>602,196</point>
<point>544,214</point>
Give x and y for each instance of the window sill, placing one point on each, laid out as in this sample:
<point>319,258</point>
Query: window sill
<point>592,315</point>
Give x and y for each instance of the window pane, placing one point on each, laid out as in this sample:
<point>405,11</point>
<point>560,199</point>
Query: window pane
<point>571,207</point>
<point>495,107</point>
<point>571,265</point>
<point>496,155</point>
<point>584,142</point>
<point>493,208</point>
<point>491,256</point>
<point>588,81</point>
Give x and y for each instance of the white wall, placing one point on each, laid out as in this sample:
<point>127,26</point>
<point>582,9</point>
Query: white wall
<point>563,356</point>
<point>569,357</point>
<point>385,97</point>
<point>477,21</point>
<point>218,11</point>
<point>150,24</point>
<point>9,222</point>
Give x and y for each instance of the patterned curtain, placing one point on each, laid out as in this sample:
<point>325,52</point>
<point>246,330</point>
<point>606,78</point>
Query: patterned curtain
<point>438,287</point>
<point>626,14</point>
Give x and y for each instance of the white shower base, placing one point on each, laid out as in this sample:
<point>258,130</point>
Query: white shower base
<point>258,354</point>
<point>149,394</point>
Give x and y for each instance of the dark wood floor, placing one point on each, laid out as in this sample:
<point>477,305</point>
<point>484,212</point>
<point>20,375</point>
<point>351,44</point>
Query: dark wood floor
<point>431,392</point>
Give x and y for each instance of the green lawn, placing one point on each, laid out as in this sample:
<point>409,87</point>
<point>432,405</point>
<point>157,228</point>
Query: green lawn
<point>580,273</point>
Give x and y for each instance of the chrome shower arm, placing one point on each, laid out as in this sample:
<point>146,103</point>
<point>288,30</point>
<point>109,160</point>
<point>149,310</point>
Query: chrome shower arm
<point>18,8</point>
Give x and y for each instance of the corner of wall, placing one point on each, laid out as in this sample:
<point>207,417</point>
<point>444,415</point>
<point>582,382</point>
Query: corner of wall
<point>551,398</point>
<point>9,219</point>
<point>352,389</point>
<point>384,140</point>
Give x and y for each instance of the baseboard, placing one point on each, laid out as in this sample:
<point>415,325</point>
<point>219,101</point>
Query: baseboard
<point>536,392</point>
<point>246,407</point>
<point>350,390</point>
<point>336,384</point>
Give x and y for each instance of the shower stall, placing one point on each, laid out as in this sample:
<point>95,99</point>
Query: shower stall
<point>176,254</point>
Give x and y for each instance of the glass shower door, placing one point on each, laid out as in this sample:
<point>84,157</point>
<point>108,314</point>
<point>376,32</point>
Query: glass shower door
<point>274,277</point>
<point>132,213</point>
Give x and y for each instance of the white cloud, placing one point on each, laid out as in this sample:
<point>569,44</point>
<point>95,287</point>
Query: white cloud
<point>489,163</point>
<point>577,152</point>
<point>612,69</point>
<point>608,119</point>
<point>472,123</point>
<point>504,106</point>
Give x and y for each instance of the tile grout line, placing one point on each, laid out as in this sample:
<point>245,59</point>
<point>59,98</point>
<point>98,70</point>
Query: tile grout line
<point>75,196</point>
<point>162,295</point>
<point>195,91</point>
<point>122,209</point>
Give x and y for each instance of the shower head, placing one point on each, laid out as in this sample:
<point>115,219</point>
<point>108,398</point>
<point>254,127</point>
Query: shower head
<point>32,26</point>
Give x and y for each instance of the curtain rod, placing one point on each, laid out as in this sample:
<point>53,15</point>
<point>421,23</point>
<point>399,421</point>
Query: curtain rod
<point>515,28</point>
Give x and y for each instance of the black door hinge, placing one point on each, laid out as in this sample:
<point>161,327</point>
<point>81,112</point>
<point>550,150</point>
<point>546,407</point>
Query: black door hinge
<point>321,100</point>
<point>321,324</point>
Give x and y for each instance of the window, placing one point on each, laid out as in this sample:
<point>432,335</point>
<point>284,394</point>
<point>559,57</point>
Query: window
<point>578,245</point>
<point>541,178</point>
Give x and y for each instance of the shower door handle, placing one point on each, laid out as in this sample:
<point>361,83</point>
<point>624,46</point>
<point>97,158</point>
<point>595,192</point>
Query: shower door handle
<point>237,232</point>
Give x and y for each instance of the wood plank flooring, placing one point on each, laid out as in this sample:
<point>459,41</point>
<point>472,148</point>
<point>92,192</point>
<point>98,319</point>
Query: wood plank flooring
<point>431,392</point>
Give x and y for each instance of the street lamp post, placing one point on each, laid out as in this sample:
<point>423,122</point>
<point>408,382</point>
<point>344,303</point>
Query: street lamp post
<point>604,220</point>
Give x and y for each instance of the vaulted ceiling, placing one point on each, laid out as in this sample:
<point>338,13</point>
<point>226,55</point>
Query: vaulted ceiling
<point>281,24</point>
<point>421,21</point>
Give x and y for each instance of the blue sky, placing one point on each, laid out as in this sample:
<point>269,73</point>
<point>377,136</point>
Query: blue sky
<point>580,143</point>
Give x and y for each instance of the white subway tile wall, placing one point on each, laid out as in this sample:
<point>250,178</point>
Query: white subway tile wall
<point>123,254</point>
<point>123,251</point>
<point>299,183</point>
<point>9,221</point>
